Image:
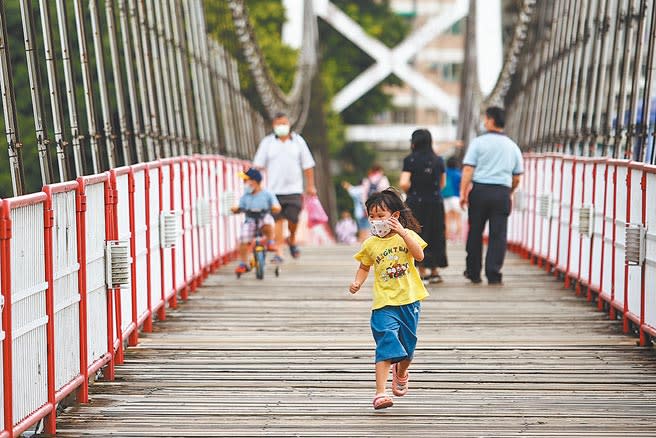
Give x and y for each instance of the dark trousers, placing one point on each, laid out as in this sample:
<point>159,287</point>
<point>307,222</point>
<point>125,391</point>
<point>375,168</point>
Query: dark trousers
<point>488,203</point>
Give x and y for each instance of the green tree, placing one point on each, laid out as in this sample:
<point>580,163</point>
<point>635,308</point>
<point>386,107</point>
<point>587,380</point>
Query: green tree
<point>23,109</point>
<point>267,18</point>
<point>25,115</point>
<point>340,62</point>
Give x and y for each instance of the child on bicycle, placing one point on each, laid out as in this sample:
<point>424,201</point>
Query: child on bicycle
<point>255,200</point>
<point>397,292</point>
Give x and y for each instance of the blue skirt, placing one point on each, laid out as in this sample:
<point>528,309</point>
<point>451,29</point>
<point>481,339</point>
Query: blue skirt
<point>395,331</point>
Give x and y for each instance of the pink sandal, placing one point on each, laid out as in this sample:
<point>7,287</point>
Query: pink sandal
<point>382,401</point>
<point>399,385</point>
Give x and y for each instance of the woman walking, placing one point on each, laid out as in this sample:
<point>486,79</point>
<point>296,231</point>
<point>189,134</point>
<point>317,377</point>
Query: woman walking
<point>423,178</point>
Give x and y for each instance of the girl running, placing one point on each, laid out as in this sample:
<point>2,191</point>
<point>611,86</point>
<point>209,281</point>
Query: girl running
<point>397,292</point>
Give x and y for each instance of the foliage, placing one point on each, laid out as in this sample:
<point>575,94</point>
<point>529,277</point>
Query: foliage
<point>23,109</point>
<point>267,18</point>
<point>340,62</point>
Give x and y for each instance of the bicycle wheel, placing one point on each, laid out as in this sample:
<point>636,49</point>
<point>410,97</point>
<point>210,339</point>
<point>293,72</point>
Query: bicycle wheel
<point>260,256</point>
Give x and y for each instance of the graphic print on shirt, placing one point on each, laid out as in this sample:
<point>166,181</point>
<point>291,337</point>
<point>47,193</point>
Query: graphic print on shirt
<point>389,261</point>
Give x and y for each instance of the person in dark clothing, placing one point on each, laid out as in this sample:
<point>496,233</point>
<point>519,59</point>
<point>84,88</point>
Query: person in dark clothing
<point>491,171</point>
<point>423,178</point>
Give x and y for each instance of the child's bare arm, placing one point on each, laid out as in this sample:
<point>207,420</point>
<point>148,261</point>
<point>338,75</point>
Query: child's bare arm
<point>360,277</point>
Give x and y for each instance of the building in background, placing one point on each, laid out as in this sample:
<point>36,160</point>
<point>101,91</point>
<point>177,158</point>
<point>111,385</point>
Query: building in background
<point>429,63</point>
<point>440,62</point>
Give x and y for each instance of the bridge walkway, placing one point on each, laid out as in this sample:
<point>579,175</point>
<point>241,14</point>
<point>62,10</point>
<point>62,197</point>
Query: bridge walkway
<point>292,356</point>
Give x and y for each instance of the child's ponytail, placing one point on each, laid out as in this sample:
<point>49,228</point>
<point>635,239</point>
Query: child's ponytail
<point>408,220</point>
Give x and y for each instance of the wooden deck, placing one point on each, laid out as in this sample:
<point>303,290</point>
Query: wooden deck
<point>292,356</point>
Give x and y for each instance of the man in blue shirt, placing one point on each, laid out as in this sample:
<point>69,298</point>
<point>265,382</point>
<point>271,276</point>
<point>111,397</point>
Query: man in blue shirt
<point>491,172</point>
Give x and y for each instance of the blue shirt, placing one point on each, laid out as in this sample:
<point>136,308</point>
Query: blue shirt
<point>262,201</point>
<point>495,157</point>
<point>452,187</point>
<point>358,206</point>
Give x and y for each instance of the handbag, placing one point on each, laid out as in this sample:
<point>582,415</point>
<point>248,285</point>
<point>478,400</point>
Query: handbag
<point>315,212</point>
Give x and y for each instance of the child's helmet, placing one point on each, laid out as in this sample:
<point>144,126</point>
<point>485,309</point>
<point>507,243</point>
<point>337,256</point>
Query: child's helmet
<point>251,173</point>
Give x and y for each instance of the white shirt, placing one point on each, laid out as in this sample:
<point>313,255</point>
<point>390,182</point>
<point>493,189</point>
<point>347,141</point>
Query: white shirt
<point>284,163</point>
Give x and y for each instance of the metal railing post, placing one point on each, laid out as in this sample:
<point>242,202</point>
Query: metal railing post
<point>136,107</point>
<point>42,141</point>
<point>144,75</point>
<point>176,84</point>
<point>148,27</point>
<point>118,83</point>
<point>9,111</point>
<point>182,60</point>
<point>62,18</point>
<point>96,156</point>
<point>167,84</point>
<point>110,138</point>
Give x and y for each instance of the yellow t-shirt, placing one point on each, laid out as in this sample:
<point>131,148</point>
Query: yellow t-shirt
<point>396,279</point>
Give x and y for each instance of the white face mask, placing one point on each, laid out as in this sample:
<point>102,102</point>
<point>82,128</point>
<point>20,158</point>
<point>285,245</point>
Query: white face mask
<point>281,130</point>
<point>380,228</point>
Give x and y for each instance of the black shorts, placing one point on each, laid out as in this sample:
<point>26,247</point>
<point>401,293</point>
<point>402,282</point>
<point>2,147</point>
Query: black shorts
<point>291,207</point>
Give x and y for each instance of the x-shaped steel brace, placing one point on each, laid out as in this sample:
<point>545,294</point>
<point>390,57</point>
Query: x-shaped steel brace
<point>394,60</point>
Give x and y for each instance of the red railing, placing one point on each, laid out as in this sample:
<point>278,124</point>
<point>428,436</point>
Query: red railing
<point>125,203</point>
<point>573,215</point>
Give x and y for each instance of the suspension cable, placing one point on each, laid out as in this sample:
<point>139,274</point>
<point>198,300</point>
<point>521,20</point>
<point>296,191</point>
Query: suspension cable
<point>296,103</point>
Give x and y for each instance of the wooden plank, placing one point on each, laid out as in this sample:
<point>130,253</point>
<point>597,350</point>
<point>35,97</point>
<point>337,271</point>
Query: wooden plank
<point>292,356</point>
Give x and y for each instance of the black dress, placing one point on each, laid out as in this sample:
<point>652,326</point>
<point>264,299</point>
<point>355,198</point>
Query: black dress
<point>425,201</point>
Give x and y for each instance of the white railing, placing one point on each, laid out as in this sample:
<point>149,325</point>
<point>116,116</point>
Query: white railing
<point>29,317</point>
<point>96,208</point>
<point>66,292</point>
<point>60,322</point>
<point>139,229</point>
<point>154,257</point>
<point>616,193</point>
<point>179,251</point>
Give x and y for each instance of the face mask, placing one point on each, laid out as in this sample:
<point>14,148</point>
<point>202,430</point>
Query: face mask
<point>248,189</point>
<point>481,127</point>
<point>281,130</point>
<point>380,228</point>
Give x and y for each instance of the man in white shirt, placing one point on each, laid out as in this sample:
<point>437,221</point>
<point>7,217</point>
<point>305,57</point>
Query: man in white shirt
<point>287,159</point>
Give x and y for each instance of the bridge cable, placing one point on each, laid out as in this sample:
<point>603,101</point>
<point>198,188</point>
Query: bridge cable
<point>296,103</point>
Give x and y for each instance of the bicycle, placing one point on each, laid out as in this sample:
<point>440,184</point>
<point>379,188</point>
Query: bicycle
<point>258,258</point>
